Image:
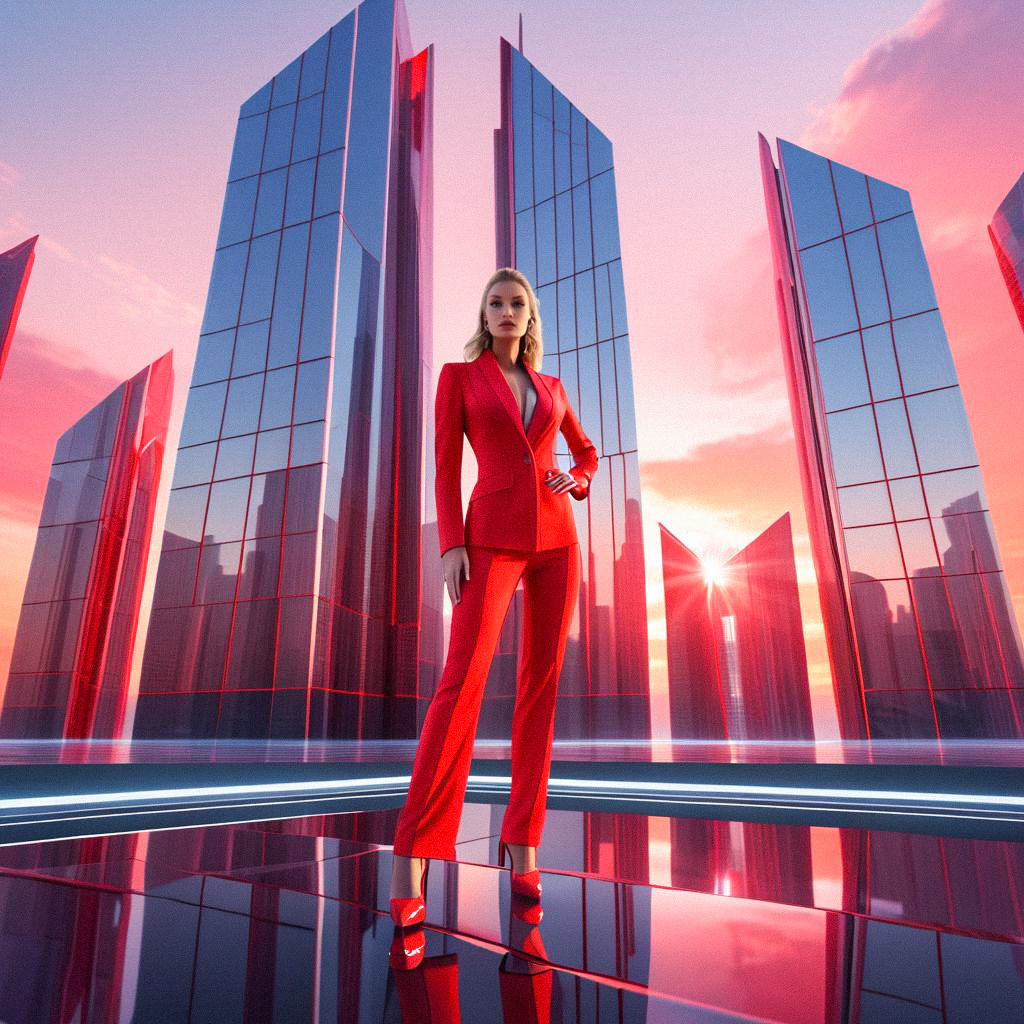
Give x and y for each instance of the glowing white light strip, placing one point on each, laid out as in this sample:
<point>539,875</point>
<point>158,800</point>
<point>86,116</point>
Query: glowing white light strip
<point>591,788</point>
<point>831,795</point>
<point>205,792</point>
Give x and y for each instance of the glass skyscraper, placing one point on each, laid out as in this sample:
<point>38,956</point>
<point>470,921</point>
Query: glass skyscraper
<point>557,221</point>
<point>73,648</point>
<point>737,667</point>
<point>921,633</point>
<point>1007,234</point>
<point>15,266</point>
<point>289,590</point>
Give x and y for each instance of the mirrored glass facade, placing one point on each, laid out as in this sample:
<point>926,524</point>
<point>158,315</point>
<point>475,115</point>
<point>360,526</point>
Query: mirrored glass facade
<point>15,266</point>
<point>72,654</point>
<point>557,222</point>
<point>288,597</point>
<point>922,636</point>
<point>1007,234</point>
<point>737,667</point>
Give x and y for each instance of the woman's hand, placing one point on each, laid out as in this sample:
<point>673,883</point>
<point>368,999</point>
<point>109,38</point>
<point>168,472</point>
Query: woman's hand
<point>560,482</point>
<point>455,564</point>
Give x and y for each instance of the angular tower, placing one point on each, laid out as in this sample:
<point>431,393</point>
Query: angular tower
<point>73,649</point>
<point>556,220</point>
<point>1007,234</point>
<point>737,666</point>
<point>15,266</point>
<point>288,597</point>
<point>921,633</point>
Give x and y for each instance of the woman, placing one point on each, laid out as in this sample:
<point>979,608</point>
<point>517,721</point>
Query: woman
<point>519,525</point>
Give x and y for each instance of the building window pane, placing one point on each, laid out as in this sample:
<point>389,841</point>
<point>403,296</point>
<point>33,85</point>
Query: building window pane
<point>605,217</point>
<point>243,406</point>
<point>250,349</point>
<point>259,278</point>
<point>248,151</point>
<point>852,189</point>
<point>941,431</point>
<point>809,184</point>
<point>923,353</point>
<point>841,372</point>
<point>280,128</point>
<point>906,270</point>
<point>277,398</point>
<point>270,202</point>
<point>854,445</point>
<point>827,280</point>
<point>882,371</point>
<point>225,288</point>
<point>873,552</point>
<point>546,242</point>
<point>586,320</point>
<point>300,192</point>
<point>868,285</point>
<point>213,358</point>
<point>908,498</point>
<point>203,413</point>
<point>961,490</point>
<point>311,391</point>
<point>897,447</point>
<point>234,457</point>
<point>288,295</point>
<point>239,203</point>
<point>864,505</point>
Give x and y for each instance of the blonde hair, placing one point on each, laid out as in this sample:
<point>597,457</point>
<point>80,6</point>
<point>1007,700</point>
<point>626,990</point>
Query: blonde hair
<point>531,347</point>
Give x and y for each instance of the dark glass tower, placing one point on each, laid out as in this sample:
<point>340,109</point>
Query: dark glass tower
<point>15,266</point>
<point>921,633</point>
<point>557,222</point>
<point>1007,234</point>
<point>291,578</point>
<point>72,655</point>
<point>737,667</point>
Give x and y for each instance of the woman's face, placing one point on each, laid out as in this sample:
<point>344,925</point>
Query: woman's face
<point>507,310</point>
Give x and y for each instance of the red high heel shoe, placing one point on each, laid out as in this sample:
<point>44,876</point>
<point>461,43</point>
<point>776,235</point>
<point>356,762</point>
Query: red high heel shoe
<point>408,948</point>
<point>407,911</point>
<point>527,884</point>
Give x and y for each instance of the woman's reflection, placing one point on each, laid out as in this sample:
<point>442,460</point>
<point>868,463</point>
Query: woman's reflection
<point>428,986</point>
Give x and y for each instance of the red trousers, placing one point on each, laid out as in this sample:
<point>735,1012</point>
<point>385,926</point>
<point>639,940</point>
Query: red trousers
<point>429,821</point>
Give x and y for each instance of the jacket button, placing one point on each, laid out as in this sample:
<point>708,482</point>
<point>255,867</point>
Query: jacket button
<point>526,458</point>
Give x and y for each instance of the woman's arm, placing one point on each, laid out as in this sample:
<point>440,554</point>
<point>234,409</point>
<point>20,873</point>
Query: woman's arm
<point>449,426</point>
<point>584,452</point>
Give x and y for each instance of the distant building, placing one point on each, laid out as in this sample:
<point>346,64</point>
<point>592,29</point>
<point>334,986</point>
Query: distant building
<point>737,666</point>
<point>557,221</point>
<point>1007,234</point>
<point>73,648</point>
<point>15,266</point>
<point>922,637</point>
<point>293,574</point>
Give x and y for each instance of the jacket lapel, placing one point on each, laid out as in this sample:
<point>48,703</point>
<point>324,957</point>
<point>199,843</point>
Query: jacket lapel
<point>503,391</point>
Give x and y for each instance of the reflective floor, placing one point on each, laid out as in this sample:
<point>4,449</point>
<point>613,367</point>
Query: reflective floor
<point>645,919</point>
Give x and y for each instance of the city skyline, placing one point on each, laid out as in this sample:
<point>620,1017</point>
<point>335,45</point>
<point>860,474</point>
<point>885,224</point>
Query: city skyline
<point>691,473</point>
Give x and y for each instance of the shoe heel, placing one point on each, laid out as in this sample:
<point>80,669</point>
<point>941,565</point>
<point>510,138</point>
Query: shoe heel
<point>406,912</point>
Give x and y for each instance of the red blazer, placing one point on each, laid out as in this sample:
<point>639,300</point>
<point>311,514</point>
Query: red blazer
<point>510,506</point>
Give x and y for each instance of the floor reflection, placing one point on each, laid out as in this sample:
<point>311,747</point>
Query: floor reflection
<point>645,919</point>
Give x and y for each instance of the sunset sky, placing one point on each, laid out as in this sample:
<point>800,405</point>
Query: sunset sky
<point>116,135</point>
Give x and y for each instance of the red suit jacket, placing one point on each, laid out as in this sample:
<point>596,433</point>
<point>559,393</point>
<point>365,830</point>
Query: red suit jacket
<point>510,506</point>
